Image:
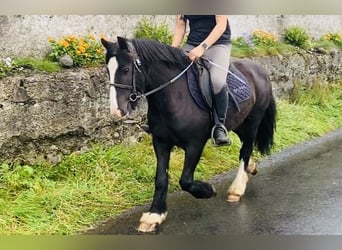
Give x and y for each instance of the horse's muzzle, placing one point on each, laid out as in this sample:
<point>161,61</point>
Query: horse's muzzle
<point>118,114</point>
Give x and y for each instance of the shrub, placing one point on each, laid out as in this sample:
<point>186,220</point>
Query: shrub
<point>243,41</point>
<point>297,36</point>
<point>243,46</point>
<point>260,43</point>
<point>85,51</point>
<point>336,38</point>
<point>264,38</point>
<point>159,32</point>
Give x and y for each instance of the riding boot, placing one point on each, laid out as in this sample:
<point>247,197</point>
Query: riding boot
<point>220,133</point>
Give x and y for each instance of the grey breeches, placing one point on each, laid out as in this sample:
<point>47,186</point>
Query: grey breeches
<point>219,54</point>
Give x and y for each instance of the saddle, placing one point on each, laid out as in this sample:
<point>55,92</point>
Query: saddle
<point>201,89</point>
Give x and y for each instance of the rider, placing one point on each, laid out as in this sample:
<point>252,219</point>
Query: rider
<point>209,35</point>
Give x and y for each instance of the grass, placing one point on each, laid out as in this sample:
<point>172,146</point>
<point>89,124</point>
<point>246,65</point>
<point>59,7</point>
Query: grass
<point>18,64</point>
<point>242,51</point>
<point>104,182</point>
<point>44,65</point>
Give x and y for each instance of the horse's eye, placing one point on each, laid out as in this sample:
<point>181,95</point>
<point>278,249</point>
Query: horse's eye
<point>125,69</point>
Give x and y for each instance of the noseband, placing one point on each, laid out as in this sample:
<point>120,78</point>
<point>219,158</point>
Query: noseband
<point>135,95</point>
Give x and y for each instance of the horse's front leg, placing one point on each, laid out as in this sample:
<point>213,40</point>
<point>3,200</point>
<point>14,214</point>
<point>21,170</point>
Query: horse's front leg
<point>158,210</point>
<point>198,189</point>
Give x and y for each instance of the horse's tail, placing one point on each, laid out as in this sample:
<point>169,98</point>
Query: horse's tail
<point>264,139</point>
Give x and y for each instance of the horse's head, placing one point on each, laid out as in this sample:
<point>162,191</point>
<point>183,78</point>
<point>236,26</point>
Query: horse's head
<point>122,64</point>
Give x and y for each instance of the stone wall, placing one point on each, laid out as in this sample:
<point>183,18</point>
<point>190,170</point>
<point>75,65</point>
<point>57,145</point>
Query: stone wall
<point>303,69</point>
<point>44,116</point>
<point>27,35</point>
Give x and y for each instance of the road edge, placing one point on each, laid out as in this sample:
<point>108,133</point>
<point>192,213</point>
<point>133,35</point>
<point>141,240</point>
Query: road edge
<point>303,151</point>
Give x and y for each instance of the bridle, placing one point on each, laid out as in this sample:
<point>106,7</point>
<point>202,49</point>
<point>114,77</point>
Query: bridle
<point>136,95</point>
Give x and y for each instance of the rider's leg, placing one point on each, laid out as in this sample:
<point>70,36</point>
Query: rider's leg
<point>220,55</point>
<point>220,133</point>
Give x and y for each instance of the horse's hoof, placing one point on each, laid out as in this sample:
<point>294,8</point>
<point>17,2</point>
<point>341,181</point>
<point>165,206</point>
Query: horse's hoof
<point>252,169</point>
<point>233,198</point>
<point>150,221</point>
<point>147,228</point>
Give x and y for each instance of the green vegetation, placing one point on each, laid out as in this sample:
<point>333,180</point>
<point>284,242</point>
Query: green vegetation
<point>259,43</point>
<point>159,32</point>
<point>334,37</point>
<point>245,48</point>
<point>86,188</point>
<point>297,36</point>
<point>84,51</point>
<point>9,66</point>
<point>262,43</point>
<point>330,40</point>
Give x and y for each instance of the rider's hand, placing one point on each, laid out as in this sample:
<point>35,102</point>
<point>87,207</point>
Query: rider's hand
<point>196,53</point>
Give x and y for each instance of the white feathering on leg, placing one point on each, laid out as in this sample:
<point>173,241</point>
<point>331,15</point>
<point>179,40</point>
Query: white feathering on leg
<point>149,221</point>
<point>239,184</point>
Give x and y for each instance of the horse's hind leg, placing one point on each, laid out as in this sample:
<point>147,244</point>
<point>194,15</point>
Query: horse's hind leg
<point>158,210</point>
<point>247,165</point>
<point>198,189</point>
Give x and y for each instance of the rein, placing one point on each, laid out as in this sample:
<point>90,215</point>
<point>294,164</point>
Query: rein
<point>135,95</point>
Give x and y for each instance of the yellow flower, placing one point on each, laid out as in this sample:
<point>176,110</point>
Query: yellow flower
<point>99,51</point>
<point>91,37</point>
<point>51,39</point>
<point>60,42</point>
<point>81,49</point>
<point>69,38</point>
<point>85,45</point>
<point>66,44</point>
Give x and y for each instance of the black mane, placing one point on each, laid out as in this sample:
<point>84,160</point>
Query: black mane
<point>153,51</point>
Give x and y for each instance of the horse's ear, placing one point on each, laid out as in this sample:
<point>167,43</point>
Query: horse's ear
<point>107,44</point>
<point>123,43</point>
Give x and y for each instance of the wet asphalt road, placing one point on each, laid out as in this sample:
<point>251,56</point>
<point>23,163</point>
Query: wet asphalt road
<point>296,192</point>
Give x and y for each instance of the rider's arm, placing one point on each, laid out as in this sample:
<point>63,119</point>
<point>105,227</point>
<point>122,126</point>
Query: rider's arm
<point>179,31</point>
<point>219,29</point>
<point>214,35</point>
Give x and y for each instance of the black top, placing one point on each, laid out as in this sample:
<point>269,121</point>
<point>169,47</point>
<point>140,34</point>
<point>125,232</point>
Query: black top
<point>200,28</point>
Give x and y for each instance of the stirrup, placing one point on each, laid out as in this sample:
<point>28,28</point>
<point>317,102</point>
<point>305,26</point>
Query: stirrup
<point>212,134</point>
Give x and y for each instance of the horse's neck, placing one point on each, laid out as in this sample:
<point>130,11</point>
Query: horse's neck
<point>171,99</point>
<point>160,74</point>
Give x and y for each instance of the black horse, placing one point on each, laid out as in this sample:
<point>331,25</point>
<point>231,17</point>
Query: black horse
<point>145,68</point>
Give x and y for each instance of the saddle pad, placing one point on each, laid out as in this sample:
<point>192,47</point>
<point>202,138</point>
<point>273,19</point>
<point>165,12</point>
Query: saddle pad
<point>239,90</point>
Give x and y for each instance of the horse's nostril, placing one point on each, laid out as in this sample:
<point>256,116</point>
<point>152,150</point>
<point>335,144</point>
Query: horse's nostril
<point>121,112</point>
